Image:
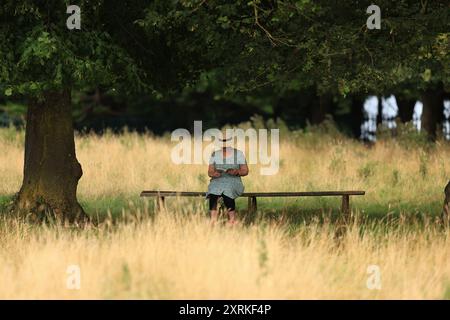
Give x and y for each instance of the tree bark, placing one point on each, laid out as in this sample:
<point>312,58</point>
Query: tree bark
<point>380,111</point>
<point>446,210</point>
<point>51,169</point>
<point>356,116</point>
<point>432,112</point>
<point>405,109</point>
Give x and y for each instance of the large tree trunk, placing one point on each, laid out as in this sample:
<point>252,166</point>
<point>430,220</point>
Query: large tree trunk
<point>380,112</point>
<point>51,170</point>
<point>356,116</point>
<point>446,211</point>
<point>405,109</point>
<point>432,112</point>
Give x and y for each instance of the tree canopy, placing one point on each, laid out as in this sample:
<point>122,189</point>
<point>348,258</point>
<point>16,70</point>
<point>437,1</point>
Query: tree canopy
<point>241,45</point>
<point>296,44</point>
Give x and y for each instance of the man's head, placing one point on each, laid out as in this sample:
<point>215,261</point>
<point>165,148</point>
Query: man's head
<point>226,138</point>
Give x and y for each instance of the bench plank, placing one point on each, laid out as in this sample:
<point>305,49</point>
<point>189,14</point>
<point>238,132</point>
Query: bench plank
<point>256,194</point>
<point>345,207</point>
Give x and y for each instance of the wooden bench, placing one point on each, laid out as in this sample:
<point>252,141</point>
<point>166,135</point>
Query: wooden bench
<point>345,208</point>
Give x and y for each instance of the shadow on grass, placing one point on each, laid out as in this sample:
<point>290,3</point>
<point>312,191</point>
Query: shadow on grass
<point>308,210</point>
<point>293,212</point>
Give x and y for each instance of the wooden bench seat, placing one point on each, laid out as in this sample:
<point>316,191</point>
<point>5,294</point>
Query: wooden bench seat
<point>252,205</point>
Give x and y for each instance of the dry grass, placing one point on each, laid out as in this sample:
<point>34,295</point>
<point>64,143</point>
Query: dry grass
<point>185,258</point>
<point>125,164</point>
<point>174,256</point>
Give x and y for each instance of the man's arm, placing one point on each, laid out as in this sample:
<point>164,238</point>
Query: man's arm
<point>242,171</point>
<point>212,172</point>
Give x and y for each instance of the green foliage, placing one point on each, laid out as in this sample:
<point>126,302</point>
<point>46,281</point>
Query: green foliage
<point>289,45</point>
<point>5,203</point>
<point>327,127</point>
<point>39,53</point>
<point>406,135</point>
<point>409,138</point>
<point>258,122</point>
<point>312,136</point>
<point>247,51</point>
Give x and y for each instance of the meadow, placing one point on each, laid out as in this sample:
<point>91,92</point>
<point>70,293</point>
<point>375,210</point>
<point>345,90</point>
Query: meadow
<point>286,250</point>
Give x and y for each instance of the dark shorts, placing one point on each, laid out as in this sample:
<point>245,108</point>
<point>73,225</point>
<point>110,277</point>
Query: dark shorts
<point>229,203</point>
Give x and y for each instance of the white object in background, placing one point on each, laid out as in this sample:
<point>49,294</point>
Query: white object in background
<point>369,126</point>
<point>447,108</point>
<point>418,107</point>
<point>371,105</point>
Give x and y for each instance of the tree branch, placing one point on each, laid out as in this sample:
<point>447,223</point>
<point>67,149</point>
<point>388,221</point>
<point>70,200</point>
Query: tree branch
<point>273,40</point>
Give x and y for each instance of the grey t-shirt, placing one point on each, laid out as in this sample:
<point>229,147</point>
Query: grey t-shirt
<point>226,184</point>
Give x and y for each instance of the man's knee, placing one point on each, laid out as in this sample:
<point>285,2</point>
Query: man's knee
<point>229,203</point>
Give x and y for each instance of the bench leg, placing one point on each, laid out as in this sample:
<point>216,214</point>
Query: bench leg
<point>159,203</point>
<point>343,220</point>
<point>345,210</point>
<point>252,204</point>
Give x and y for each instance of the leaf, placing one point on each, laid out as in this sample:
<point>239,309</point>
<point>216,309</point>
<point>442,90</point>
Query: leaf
<point>8,92</point>
<point>426,75</point>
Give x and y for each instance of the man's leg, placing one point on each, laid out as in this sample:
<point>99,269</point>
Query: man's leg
<point>213,207</point>
<point>231,209</point>
<point>232,217</point>
<point>214,216</point>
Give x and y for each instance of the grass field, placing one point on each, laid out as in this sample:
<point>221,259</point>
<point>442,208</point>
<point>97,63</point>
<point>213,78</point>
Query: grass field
<point>287,250</point>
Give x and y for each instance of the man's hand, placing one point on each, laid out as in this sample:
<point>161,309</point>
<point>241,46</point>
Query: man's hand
<point>233,172</point>
<point>216,174</point>
<point>212,172</point>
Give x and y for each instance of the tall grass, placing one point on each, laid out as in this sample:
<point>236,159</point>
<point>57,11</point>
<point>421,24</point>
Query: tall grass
<point>125,164</point>
<point>177,254</point>
<point>182,257</point>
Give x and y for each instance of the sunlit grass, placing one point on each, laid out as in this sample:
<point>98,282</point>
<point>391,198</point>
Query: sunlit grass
<point>118,167</point>
<point>182,257</point>
<point>289,249</point>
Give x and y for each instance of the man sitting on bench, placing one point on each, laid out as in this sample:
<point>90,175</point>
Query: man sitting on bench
<point>226,167</point>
